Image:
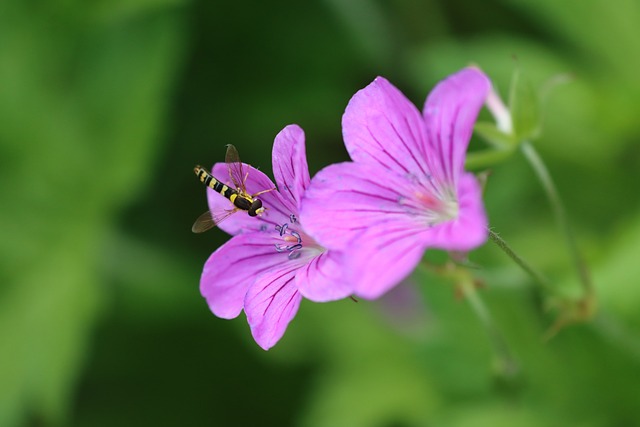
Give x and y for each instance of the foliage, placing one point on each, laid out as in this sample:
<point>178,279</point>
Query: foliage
<point>106,107</point>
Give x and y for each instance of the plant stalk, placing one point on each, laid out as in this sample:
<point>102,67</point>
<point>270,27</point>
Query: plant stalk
<point>535,275</point>
<point>505,363</point>
<point>542,172</point>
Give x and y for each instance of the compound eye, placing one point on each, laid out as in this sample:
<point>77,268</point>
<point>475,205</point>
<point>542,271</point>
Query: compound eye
<point>256,207</point>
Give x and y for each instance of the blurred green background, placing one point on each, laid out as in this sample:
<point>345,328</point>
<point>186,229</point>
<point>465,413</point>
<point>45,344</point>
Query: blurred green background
<point>105,107</point>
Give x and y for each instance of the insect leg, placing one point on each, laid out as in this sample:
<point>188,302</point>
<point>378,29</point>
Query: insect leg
<point>262,192</point>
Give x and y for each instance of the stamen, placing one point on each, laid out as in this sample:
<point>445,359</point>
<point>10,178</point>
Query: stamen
<point>282,228</point>
<point>293,219</point>
<point>281,248</point>
<point>295,247</point>
<point>287,248</point>
<point>293,237</point>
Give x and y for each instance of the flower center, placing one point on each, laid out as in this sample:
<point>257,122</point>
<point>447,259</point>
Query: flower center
<point>294,241</point>
<point>434,209</point>
<point>448,210</point>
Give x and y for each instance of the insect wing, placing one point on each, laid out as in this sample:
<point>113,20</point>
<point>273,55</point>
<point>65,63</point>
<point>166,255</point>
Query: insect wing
<point>208,220</point>
<point>236,170</point>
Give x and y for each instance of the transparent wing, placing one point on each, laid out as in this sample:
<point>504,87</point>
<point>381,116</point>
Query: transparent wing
<point>208,220</point>
<point>236,171</point>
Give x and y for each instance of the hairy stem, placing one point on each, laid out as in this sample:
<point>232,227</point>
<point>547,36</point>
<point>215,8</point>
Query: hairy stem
<point>535,275</point>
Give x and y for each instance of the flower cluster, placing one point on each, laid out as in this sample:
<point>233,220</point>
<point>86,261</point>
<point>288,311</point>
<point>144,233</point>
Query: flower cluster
<point>360,227</point>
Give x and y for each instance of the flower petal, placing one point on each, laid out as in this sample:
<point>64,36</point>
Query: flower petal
<point>380,125</point>
<point>450,113</point>
<point>323,278</point>
<point>290,163</point>
<point>470,229</point>
<point>383,257</point>
<point>271,303</point>
<point>232,269</point>
<point>345,199</point>
<point>277,208</point>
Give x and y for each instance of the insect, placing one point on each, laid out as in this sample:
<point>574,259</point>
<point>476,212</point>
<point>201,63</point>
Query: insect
<point>238,196</point>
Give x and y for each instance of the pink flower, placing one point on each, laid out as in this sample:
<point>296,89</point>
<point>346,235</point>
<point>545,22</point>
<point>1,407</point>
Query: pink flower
<point>271,262</point>
<point>406,189</point>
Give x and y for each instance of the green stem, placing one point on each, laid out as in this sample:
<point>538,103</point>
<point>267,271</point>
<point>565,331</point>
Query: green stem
<point>556,203</point>
<point>535,275</point>
<point>506,364</point>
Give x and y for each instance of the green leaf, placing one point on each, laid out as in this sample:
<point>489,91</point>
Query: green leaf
<point>486,158</point>
<point>44,322</point>
<point>80,117</point>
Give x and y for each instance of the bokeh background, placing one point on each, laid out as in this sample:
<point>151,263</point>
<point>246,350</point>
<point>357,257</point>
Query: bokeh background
<point>105,107</point>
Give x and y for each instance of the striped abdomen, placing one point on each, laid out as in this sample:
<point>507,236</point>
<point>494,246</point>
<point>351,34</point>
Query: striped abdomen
<point>210,181</point>
<point>240,201</point>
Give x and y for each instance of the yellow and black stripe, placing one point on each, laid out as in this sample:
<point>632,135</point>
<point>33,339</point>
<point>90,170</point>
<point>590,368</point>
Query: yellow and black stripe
<point>211,182</point>
<point>239,199</point>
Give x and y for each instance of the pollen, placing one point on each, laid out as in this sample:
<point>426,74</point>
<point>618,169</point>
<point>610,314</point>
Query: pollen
<point>290,238</point>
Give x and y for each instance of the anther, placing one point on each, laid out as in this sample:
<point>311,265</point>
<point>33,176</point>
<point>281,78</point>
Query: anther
<point>281,248</point>
<point>282,228</point>
<point>293,238</point>
<point>295,247</point>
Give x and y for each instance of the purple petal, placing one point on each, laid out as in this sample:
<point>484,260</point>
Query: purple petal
<point>450,113</point>
<point>290,163</point>
<point>232,269</point>
<point>323,278</point>
<point>271,303</point>
<point>380,125</point>
<point>470,229</point>
<point>383,257</point>
<point>278,209</point>
<point>347,198</point>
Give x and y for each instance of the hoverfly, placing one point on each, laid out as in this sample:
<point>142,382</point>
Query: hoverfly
<point>238,196</point>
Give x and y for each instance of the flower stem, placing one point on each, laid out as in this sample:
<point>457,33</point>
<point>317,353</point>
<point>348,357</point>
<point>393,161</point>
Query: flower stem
<point>466,286</point>
<point>505,363</point>
<point>556,203</point>
<point>535,275</point>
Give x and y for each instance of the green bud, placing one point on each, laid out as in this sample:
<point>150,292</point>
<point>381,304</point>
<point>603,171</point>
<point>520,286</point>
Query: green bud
<point>524,104</point>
